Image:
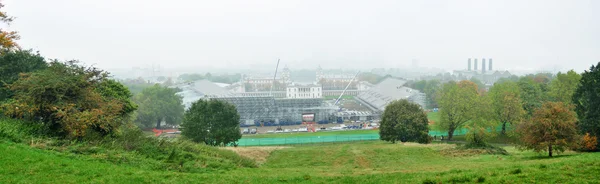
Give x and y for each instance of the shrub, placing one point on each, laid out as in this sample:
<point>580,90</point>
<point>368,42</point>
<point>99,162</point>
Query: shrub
<point>516,171</point>
<point>19,131</point>
<point>588,142</point>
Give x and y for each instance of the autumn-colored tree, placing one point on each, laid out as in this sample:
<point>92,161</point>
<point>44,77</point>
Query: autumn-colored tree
<point>506,103</point>
<point>552,128</point>
<point>7,38</point>
<point>588,142</point>
<point>458,104</point>
<point>72,100</point>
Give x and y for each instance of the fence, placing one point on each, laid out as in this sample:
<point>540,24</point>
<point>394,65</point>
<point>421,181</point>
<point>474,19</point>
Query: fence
<point>249,141</point>
<point>306,139</point>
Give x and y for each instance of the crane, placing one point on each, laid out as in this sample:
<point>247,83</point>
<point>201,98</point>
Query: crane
<point>338,99</point>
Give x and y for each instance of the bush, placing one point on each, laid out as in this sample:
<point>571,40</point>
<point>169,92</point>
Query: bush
<point>477,137</point>
<point>588,142</point>
<point>19,131</point>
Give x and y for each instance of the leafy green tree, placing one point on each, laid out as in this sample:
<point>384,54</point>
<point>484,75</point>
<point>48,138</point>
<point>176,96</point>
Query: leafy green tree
<point>70,99</point>
<point>14,63</point>
<point>214,122</point>
<point>404,121</point>
<point>158,104</point>
<point>458,103</point>
<point>587,101</point>
<point>431,90</point>
<point>478,82</point>
<point>532,94</point>
<point>563,86</point>
<point>483,121</point>
<point>506,104</point>
<point>551,128</point>
<point>113,89</point>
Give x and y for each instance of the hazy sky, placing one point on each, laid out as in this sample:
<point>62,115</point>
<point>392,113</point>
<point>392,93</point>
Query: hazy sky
<point>342,33</point>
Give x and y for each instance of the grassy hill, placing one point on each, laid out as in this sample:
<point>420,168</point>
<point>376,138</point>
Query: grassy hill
<point>37,161</point>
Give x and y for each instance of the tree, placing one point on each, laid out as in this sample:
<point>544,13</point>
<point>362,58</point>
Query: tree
<point>587,101</point>
<point>404,121</point>
<point>458,103</point>
<point>14,63</point>
<point>551,128</point>
<point>478,82</point>
<point>158,104</point>
<point>431,91</point>
<point>563,86</point>
<point>7,38</point>
<point>214,122</point>
<point>370,77</point>
<point>70,99</point>
<point>506,103</point>
<point>532,94</point>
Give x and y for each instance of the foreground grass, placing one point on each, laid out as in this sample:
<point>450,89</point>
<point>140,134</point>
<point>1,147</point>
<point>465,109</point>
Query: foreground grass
<point>359,162</point>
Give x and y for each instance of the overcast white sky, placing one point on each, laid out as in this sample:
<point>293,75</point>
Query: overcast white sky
<point>341,33</point>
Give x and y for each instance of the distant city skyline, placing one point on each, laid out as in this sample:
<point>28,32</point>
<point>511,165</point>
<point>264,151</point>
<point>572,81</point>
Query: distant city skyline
<point>353,34</point>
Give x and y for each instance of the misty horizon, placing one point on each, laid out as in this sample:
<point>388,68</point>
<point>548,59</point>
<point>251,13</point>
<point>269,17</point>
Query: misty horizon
<point>354,35</point>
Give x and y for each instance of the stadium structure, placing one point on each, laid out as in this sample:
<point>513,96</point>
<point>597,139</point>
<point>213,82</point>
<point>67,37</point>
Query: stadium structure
<point>390,89</point>
<point>286,105</point>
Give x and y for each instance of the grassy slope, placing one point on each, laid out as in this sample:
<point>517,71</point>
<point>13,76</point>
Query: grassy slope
<point>366,162</point>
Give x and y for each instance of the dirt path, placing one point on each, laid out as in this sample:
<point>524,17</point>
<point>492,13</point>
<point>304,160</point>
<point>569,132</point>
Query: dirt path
<point>258,154</point>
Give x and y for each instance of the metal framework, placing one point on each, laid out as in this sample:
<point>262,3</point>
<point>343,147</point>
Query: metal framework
<point>270,109</point>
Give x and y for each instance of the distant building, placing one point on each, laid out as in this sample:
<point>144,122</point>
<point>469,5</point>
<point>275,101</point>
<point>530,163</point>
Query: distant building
<point>486,75</point>
<point>304,91</point>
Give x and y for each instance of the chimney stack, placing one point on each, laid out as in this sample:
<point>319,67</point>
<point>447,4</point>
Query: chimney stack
<point>491,64</point>
<point>475,65</point>
<point>469,64</point>
<point>483,65</point>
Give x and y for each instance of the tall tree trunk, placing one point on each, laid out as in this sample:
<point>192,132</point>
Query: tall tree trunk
<point>504,128</point>
<point>158,123</point>
<point>450,133</point>
<point>550,150</point>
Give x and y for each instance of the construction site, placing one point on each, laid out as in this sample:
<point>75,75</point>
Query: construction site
<point>277,103</point>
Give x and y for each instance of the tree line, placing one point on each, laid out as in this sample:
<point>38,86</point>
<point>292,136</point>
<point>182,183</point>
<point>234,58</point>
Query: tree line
<point>544,112</point>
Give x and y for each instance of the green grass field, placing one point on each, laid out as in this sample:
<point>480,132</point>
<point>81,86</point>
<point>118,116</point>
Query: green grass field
<point>358,162</point>
<point>335,97</point>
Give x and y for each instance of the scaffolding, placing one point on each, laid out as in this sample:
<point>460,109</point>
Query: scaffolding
<point>270,109</point>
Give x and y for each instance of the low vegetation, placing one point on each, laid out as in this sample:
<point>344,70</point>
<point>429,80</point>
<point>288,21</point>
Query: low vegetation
<point>365,162</point>
<point>129,148</point>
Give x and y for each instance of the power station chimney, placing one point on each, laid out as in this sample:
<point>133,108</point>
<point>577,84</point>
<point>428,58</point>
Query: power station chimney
<point>469,64</point>
<point>491,69</point>
<point>483,65</point>
<point>475,65</point>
